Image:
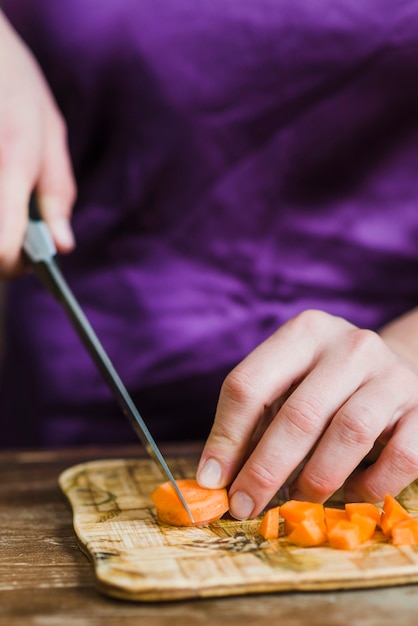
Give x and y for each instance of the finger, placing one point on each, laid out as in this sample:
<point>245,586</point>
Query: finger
<point>15,189</point>
<point>295,432</point>
<point>248,392</point>
<point>56,189</point>
<point>348,439</point>
<point>303,419</point>
<point>395,469</point>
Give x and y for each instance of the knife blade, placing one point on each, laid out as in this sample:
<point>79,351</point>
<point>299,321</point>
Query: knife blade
<point>39,250</point>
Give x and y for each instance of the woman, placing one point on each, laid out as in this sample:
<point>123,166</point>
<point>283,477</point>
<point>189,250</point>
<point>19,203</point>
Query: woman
<point>241,168</point>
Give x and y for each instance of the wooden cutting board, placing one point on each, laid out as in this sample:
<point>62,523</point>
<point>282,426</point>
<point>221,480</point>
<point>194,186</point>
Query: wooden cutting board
<point>137,558</point>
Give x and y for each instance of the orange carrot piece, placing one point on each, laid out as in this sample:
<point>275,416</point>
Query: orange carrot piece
<point>405,533</point>
<point>393,513</point>
<point>206,505</point>
<point>296,511</point>
<point>269,527</point>
<point>365,509</point>
<point>333,515</point>
<point>289,527</point>
<point>345,535</point>
<point>308,533</point>
<point>367,526</point>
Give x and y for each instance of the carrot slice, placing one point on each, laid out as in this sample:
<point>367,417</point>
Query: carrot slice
<point>345,535</point>
<point>308,533</point>
<point>269,527</point>
<point>333,515</point>
<point>365,509</point>
<point>405,533</point>
<point>393,513</point>
<point>206,505</point>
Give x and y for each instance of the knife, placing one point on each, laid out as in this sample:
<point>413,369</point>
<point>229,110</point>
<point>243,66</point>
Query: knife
<point>39,250</point>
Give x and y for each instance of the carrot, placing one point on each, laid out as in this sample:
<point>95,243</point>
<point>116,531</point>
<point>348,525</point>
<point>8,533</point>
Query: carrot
<point>345,535</point>
<point>269,527</point>
<point>333,515</point>
<point>392,514</point>
<point>309,524</point>
<point>296,511</point>
<point>405,533</point>
<point>206,505</point>
<point>367,526</point>
<point>308,533</point>
<point>365,509</point>
<point>304,522</point>
<point>366,515</point>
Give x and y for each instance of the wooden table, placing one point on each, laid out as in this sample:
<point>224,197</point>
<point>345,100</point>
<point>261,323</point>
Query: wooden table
<point>46,580</point>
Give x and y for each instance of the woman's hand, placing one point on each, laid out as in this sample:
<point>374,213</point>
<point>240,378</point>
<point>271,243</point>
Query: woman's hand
<point>33,153</point>
<point>317,395</point>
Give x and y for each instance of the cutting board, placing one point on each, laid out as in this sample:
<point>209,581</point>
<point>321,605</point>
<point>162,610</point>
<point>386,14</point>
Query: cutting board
<point>137,558</point>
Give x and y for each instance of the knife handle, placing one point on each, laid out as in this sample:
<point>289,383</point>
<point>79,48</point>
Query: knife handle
<point>38,244</point>
<point>38,247</point>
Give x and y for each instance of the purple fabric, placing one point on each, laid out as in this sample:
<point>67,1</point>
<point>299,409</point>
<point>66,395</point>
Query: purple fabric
<point>237,162</point>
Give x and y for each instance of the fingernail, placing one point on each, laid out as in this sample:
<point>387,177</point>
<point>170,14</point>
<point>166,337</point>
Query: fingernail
<point>241,505</point>
<point>62,233</point>
<point>210,475</point>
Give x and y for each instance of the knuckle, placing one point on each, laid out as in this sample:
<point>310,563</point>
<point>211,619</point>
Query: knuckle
<point>364,342</point>
<point>64,191</point>
<point>239,387</point>
<point>225,436</point>
<point>309,321</point>
<point>405,459</point>
<point>319,484</point>
<point>358,430</point>
<point>260,475</point>
<point>303,415</point>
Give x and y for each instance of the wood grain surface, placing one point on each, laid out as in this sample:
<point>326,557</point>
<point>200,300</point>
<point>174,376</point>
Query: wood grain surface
<point>135,557</point>
<point>46,580</point>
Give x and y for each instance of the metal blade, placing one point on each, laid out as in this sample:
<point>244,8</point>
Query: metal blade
<point>40,251</point>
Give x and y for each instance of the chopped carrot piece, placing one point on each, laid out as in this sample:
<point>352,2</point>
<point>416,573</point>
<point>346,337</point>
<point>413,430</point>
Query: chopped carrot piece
<point>311,524</point>
<point>405,533</point>
<point>345,535</point>
<point>393,513</point>
<point>333,515</point>
<point>367,526</point>
<point>304,522</point>
<point>308,533</point>
<point>296,511</point>
<point>365,509</point>
<point>289,526</point>
<point>206,505</point>
<point>269,527</point>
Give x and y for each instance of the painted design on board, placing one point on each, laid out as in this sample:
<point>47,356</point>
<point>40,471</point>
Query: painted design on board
<point>137,558</point>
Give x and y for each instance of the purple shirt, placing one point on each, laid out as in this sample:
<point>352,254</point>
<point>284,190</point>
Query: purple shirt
<point>237,163</point>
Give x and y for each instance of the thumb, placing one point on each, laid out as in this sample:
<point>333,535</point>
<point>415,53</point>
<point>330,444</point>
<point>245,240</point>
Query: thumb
<point>54,209</point>
<point>56,189</point>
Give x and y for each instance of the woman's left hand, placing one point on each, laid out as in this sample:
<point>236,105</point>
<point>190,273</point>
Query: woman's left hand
<point>322,392</point>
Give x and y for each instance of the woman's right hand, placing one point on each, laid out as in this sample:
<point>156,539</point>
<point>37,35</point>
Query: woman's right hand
<point>33,153</point>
